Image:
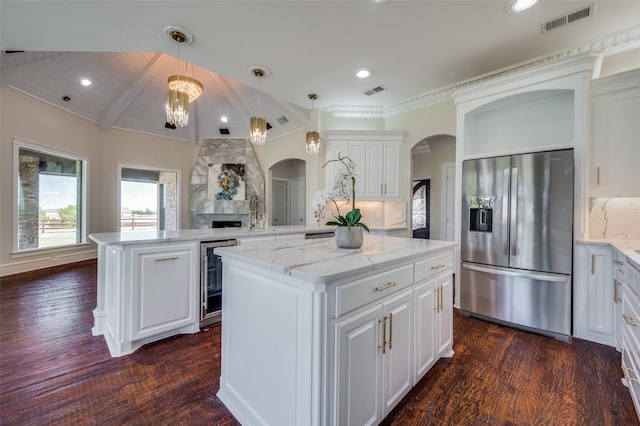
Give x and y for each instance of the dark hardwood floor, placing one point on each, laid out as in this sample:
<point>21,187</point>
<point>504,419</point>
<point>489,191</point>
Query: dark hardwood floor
<point>53,371</point>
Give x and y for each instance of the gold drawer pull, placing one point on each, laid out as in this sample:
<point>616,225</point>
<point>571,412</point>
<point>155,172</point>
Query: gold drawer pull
<point>164,259</point>
<point>386,286</point>
<point>439,266</point>
<point>618,262</point>
<point>625,373</point>
<point>616,293</point>
<point>630,320</point>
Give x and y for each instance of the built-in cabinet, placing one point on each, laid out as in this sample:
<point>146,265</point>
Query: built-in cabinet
<point>630,329</point>
<point>615,149</point>
<point>153,293</point>
<point>378,159</point>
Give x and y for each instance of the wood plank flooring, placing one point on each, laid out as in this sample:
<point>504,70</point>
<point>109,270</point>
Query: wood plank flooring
<point>54,372</point>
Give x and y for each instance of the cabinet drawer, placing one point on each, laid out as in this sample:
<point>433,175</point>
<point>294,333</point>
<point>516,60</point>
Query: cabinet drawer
<point>630,368</point>
<point>433,266</point>
<point>361,292</point>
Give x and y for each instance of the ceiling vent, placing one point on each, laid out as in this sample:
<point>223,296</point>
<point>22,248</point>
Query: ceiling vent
<point>375,90</point>
<point>224,131</point>
<point>576,15</point>
<point>282,120</point>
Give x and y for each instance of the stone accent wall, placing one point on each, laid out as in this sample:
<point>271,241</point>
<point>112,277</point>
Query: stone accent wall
<point>29,169</point>
<point>171,200</point>
<point>224,151</point>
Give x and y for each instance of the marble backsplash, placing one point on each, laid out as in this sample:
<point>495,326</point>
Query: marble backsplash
<point>616,218</point>
<point>375,214</point>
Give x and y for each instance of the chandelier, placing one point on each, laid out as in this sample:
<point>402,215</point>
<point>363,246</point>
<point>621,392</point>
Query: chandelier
<point>258,124</point>
<point>313,137</point>
<point>183,89</point>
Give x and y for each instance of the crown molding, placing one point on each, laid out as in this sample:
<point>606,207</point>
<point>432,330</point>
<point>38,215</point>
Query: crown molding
<point>606,46</point>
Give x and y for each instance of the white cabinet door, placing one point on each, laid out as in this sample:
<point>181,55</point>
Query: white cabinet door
<point>164,287</point>
<point>599,313</point>
<point>391,167</point>
<point>373,172</point>
<point>424,302</point>
<point>615,148</point>
<point>358,368</point>
<point>382,173</point>
<point>397,373</point>
<point>444,315</point>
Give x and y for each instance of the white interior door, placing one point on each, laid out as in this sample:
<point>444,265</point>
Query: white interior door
<point>280,202</point>
<point>297,201</point>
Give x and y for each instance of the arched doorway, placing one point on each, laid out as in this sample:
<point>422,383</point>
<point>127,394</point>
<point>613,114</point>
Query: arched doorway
<point>288,194</point>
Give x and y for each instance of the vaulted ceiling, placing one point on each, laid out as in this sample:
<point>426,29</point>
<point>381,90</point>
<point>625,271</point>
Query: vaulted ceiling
<point>418,51</point>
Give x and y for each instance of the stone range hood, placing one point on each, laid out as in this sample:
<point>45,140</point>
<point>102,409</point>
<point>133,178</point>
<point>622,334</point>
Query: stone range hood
<point>203,208</point>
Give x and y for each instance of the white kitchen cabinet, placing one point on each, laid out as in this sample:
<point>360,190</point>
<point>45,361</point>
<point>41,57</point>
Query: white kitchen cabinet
<point>621,274</point>
<point>630,331</point>
<point>378,159</point>
<point>596,310</point>
<point>270,239</point>
<point>152,293</point>
<point>614,147</point>
<point>374,360</point>
<point>444,315</point>
<point>164,286</point>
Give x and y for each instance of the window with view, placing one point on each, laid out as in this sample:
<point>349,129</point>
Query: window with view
<point>50,198</point>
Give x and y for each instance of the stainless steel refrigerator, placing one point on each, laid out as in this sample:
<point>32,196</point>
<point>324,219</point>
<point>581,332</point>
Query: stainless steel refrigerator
<point>517,240</point>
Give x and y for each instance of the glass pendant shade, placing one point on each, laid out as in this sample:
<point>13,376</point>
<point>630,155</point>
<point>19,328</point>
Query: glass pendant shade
<point>177,108</point>
<point>313,142</point>
<point>258,130</point>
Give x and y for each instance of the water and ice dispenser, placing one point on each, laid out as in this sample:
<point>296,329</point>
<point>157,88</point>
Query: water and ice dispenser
<point>481,213</point>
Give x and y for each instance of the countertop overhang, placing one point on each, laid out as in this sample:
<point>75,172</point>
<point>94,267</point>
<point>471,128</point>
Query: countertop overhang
<point>630,248</point>
<point>320,261</point>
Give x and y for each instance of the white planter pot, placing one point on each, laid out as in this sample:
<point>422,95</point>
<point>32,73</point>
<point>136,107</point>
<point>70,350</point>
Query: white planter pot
<point>348,237</point>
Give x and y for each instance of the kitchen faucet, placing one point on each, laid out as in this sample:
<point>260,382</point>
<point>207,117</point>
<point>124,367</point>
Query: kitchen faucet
<point>252,212</point>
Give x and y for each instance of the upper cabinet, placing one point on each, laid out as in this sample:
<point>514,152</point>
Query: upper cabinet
<point>615,138</point>
<point>378,159</point>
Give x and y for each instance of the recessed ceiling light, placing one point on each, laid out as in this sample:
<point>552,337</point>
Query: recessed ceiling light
<point>85,82</point>
<point>224,119</point>
<point>517,6</point>
<point>363,72</point>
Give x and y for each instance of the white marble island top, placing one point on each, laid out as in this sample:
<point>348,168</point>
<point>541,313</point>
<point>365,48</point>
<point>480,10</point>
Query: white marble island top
<point>320,260</point>
<point>145,237</point>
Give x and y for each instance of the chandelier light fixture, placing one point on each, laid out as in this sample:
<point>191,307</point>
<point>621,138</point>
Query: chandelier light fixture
<point>313,137</point>
<point>258,124</point>
<point>183,89</point>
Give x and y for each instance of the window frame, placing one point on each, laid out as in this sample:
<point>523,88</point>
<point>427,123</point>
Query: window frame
<point>82,205</point>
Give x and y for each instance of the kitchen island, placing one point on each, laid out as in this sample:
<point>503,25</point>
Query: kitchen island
<point>149,283</point>
<point>317,335</point>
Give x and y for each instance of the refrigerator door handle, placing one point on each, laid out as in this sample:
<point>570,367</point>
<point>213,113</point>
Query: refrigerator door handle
<point>530,275</point>
<point>505,213</point>
<point>514,212</point>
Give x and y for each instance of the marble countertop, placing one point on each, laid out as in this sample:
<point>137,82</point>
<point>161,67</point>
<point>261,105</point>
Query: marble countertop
<point>630,248</point>
<point>146,237</point>
<point>319,261</point>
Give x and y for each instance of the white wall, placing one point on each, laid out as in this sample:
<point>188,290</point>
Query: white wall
<point>33,121</point>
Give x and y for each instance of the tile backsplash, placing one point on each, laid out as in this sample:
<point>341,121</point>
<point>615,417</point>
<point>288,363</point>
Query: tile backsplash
<point>616,218</point>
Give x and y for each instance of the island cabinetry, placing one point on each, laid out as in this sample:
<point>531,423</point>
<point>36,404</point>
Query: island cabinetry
<point>374,360</point>
<point>151,293</point>
<point>270,239</point>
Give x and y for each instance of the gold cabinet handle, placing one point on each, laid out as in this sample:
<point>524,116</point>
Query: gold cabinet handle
<point>593,264</point>
<point>386,286</point>
<point>390,328</point>
<point>164,259</point>
<point>384,333</point>
<point>598,175</point>
<point>438,266</point>
<point>630,320</point>
<point>625,373</point>
<point>618,262</point>
<point>441,298</point>
<point>616,292</point>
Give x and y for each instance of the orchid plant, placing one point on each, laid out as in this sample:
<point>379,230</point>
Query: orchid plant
<point>345,188</point>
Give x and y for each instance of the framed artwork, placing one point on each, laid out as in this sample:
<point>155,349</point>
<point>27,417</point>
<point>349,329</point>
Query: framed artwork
<point>227,182</point>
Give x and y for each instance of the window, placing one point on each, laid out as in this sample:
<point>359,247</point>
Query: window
<point>50,198</point>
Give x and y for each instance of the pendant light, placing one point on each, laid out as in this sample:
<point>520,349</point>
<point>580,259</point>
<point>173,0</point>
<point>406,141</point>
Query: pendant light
<point>258,124</point>
<point>183,89</point>
<point>313,137</point>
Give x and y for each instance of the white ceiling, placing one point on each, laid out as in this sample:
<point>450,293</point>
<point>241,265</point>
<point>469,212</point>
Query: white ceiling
<point>418,51</point>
